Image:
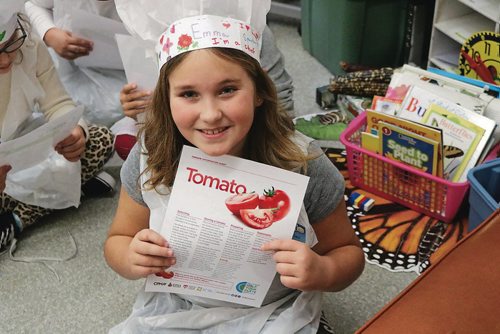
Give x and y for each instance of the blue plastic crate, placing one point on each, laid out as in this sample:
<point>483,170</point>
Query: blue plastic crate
<point>484,196</point>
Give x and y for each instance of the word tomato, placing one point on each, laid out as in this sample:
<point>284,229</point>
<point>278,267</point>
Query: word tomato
<point>238,202</point>
<point>277,200</point>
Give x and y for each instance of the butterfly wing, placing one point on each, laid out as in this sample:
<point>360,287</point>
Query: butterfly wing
<point>393,236</point>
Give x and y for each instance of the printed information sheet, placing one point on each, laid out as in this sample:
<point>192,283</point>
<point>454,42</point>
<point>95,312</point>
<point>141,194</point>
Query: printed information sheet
<point>221,210</point>
<point>35,146</point>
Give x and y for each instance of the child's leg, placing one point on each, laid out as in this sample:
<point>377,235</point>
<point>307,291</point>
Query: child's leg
<point>97,151</point>
<point>15,216</point>
<point>26,214</point>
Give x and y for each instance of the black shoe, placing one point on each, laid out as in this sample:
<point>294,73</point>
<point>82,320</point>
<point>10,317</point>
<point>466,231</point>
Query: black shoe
<point>102,184</point>
<point>8,229</point>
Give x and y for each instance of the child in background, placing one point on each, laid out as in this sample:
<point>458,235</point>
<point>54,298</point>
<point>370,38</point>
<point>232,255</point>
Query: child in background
<point>220,100</point>
<point>29,83</point>
<point>134,101</point>
<point>51,20</point>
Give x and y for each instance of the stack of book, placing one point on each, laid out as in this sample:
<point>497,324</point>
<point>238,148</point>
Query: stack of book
<point>433,128</point>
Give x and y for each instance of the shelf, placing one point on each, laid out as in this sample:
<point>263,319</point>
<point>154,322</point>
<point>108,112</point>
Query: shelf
<point>454,22</point>
<point>447,62</point>
<point>461,28</point>
<point>487,8</point>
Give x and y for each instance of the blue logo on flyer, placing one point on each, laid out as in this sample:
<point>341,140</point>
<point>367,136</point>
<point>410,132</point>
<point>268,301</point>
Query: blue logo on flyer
<point>246,287</point>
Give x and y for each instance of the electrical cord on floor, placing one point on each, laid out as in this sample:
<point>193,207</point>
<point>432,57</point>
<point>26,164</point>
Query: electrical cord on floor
<point>44,260</point>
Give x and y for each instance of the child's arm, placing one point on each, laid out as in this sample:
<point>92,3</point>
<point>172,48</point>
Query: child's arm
<point>132,249</point>
<point>332,265</point>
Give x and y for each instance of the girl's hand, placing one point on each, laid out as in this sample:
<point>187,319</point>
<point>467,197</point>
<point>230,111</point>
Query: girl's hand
<point>298,265</point>
<point>134,101</point>
<point>66,45</point>
<point>3,176</point>
<point>149,253</point>
<point>73,145</point>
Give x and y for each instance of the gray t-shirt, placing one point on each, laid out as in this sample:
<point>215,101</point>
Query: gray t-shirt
<point>324,191</point>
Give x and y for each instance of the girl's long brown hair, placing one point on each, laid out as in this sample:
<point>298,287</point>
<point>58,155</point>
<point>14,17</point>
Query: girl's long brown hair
<point>268,141</point>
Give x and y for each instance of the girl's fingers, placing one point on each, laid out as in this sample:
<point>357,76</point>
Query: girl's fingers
<point>282,245</point>
<point>148,235</point>
<point>286,269</point>
<point>285,257</point>
<point>138,104</point>
<point>291,282</point>
<point>153,261</point>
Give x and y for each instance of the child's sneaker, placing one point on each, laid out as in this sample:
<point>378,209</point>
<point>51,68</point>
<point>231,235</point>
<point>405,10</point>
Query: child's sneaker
<point>102,184</point>
<point>8,229</point>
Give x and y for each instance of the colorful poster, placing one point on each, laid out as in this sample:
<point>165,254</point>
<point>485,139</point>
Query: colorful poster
<point>221,210</point>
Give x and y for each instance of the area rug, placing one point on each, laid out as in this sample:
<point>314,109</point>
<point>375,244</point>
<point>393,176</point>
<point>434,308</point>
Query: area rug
<point>395,237</point>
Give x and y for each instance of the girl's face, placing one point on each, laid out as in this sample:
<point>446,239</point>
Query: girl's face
<point>212,101</point>
<point>7,59</point>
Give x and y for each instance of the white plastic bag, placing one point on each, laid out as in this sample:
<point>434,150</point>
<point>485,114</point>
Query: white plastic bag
<point>97,89</point>
<point>53,184</point>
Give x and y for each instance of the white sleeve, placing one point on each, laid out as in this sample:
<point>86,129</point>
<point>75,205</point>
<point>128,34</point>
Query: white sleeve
<point>40,15</point>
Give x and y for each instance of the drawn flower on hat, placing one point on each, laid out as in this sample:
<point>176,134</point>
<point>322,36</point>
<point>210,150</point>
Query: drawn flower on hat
<point>167,45</point>
<point>2,35</point>
<point>186,41</point>
<point>226,25</point>
<point>172,29</point>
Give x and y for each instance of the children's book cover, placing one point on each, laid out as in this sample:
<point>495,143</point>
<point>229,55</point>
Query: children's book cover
<point>461,140</point>
<point>369,142</point>
<point>409,148</point>
<point>441,87</point>
<point>386,105</point>
<point>418,101</point>
<point>374,119</point>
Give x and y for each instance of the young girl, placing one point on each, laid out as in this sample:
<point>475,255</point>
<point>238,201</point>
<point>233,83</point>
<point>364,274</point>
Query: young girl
<point>220,100</point>
<point>134,101</point>
<point>29,84</point>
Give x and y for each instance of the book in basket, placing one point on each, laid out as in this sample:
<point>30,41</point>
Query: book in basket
<point>409,148</point>
<point>418,100</point>
<point>374,120</point>
<point>461,140</point>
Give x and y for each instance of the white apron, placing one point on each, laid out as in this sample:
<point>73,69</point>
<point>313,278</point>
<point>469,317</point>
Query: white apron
<point>55,182</point>
<point>284,310</point>
<point>95,88</point>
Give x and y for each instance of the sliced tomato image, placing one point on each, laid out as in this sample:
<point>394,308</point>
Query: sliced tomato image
<point>257,218</point>
<point>165,274</point>
<point>277,200</point>
<point>238,202</point>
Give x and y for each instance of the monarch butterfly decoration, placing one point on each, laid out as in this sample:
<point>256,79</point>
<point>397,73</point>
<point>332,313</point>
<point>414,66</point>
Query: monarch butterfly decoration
<point>393,236</point>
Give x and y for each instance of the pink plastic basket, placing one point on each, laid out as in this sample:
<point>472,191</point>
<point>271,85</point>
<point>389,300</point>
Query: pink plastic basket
<point>398,182</point>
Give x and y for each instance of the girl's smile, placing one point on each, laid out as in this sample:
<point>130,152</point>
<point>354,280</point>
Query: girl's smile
<point>213,132</point>
<point>212,101</point>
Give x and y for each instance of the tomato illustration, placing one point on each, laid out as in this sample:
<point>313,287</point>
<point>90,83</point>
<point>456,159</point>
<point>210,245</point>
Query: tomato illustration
<point>165,274</point>
<point>277,200</point>
<point>238,202</point>
<point>257,218</point>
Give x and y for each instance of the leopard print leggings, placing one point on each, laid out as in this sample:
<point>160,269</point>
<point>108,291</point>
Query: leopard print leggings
<point>97,152</point>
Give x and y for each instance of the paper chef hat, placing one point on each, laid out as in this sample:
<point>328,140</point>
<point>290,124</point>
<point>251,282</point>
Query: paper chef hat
<point>8,18</point>
<point>177,26</point>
